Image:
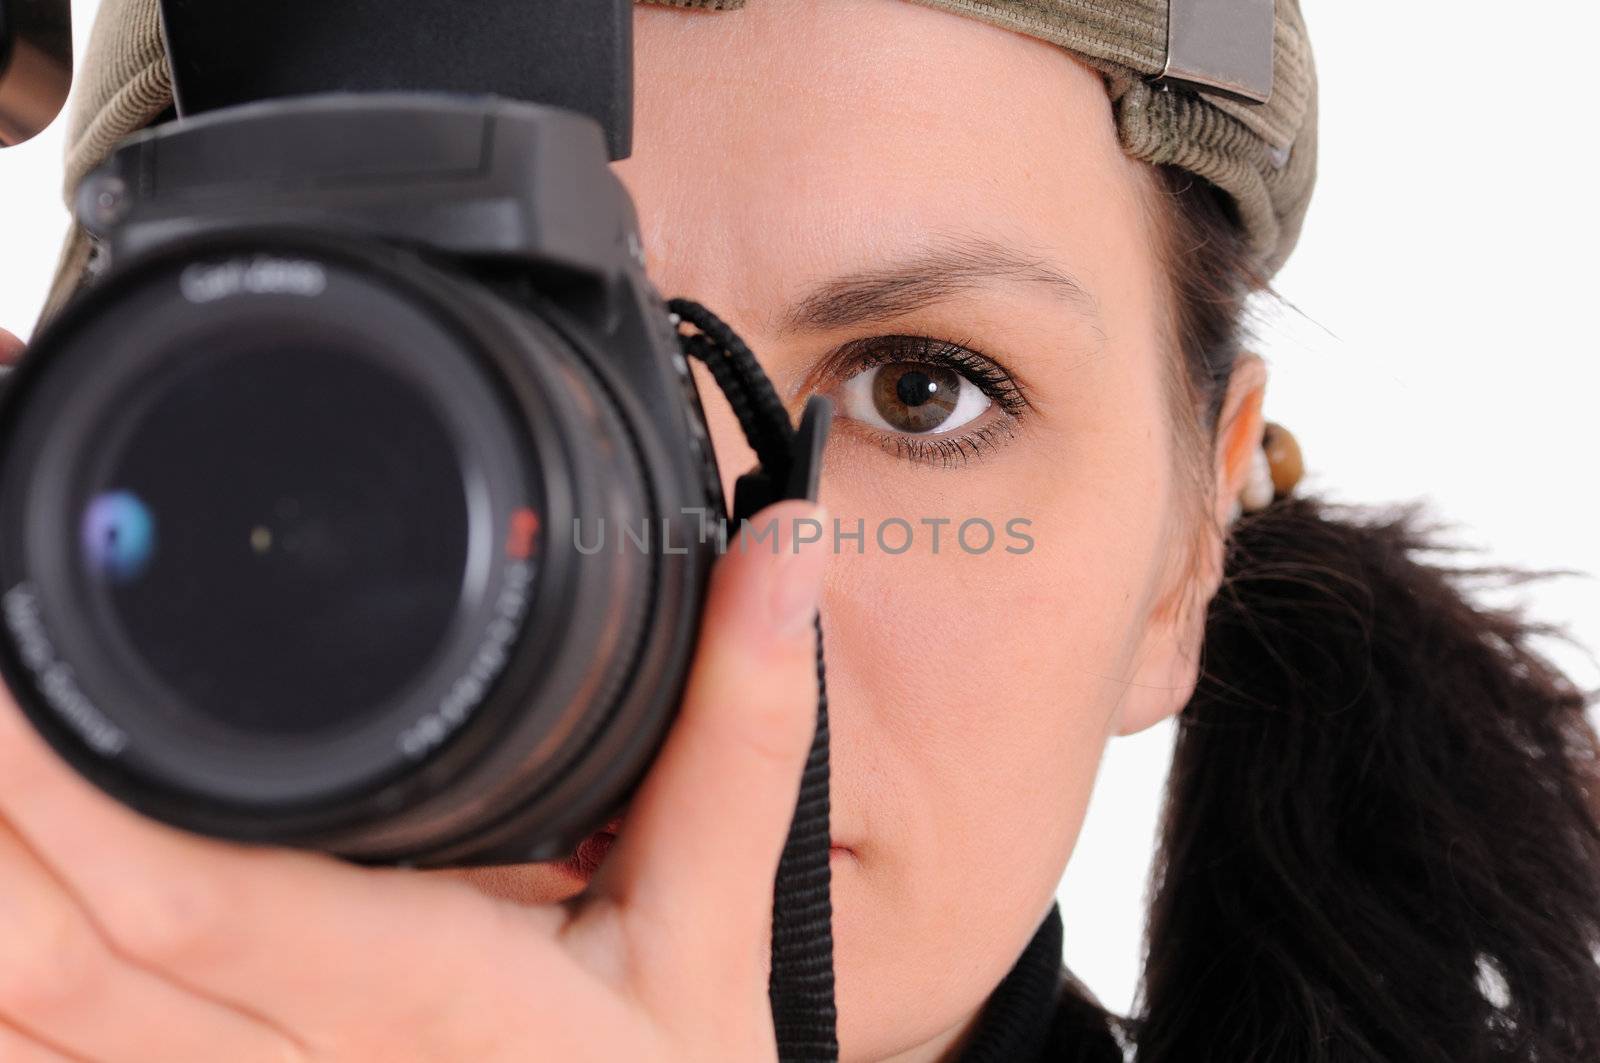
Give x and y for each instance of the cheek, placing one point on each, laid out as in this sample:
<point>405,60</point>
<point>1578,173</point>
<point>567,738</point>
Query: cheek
<point>973,693</point>
<point>971,701</point>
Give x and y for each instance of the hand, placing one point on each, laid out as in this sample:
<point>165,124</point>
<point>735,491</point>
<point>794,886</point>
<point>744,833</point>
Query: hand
<point>10,347</point>
<point>124,940</point>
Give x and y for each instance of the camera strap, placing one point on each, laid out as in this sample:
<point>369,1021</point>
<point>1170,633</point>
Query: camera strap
<point>800,986</point>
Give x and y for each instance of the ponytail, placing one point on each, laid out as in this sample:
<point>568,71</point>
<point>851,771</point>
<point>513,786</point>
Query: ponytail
<point>1381,839</point>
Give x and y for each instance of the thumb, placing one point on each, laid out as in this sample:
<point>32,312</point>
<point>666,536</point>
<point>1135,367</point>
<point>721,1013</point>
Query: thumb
<point>698,850</point>
<point>10,347</point>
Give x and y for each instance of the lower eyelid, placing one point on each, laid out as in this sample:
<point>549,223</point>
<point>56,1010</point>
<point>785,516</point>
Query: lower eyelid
<point>956,449</point>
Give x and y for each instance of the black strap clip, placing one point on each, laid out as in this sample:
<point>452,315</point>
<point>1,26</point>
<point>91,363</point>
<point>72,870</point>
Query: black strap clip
<point>800,984</point>
<point>762,486</point>
<point>789,458</point>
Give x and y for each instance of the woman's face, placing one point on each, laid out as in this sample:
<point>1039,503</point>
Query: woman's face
<point>930,220</point>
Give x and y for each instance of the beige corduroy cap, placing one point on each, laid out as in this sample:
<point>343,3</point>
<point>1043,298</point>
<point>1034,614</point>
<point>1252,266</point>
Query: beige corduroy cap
<point>1162,61</point>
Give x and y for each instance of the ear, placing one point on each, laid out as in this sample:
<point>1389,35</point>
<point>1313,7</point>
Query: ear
<point>1239,435</point>
<point>1167,665</point>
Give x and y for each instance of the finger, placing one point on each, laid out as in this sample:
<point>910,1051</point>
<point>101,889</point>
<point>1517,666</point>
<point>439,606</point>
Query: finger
<point>699,847</point>
<point>18,1047</point>
<point>10,347</point>
<point>288,936</point>
<point>61,984</point>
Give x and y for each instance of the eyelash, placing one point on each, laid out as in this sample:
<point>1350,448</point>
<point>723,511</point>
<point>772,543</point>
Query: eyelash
<point>986,374</point>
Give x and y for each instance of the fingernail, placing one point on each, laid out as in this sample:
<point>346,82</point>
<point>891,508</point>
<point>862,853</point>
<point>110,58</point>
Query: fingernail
<point>796,580</point>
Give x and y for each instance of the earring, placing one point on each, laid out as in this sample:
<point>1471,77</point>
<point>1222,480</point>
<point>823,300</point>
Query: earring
<point>1275,468</point>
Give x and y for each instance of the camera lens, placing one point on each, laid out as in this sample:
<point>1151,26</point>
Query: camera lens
<point>290,551</point>
<point>279,537</point>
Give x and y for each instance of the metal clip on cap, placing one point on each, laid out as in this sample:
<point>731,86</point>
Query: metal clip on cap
<point>1222,46</point>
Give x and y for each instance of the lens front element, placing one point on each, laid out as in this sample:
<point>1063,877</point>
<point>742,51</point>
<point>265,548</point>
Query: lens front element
<point>280,536</point>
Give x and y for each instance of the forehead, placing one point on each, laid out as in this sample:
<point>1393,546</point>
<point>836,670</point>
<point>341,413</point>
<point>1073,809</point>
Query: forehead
<point>813,136</point>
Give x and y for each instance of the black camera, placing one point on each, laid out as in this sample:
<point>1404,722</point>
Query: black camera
<point>363,501</point>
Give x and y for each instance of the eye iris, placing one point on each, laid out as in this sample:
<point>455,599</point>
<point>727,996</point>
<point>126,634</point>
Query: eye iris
<point>915,398</point>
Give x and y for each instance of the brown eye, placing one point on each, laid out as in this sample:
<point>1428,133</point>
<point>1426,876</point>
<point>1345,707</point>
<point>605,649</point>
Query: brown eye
<point>915,398</point>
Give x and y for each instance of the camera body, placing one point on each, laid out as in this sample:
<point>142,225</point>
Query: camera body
<point>514,197</point>
<point>294,498</point>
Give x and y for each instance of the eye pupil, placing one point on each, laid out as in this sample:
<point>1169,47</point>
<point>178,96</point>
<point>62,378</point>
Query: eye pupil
<point>915,388</point>
<point>915,398</point>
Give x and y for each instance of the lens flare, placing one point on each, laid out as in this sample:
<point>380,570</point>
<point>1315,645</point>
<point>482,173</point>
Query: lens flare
<point>119,535</point>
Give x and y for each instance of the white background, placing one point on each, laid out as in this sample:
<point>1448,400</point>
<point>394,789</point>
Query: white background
<point>1438,340</point>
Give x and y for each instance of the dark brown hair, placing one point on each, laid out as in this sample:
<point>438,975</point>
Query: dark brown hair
<point>1380,839</point>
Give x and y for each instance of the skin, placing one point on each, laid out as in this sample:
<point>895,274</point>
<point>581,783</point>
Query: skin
<point>972,695</point>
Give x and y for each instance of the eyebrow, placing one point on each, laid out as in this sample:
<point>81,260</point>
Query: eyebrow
<point>951,264</point>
